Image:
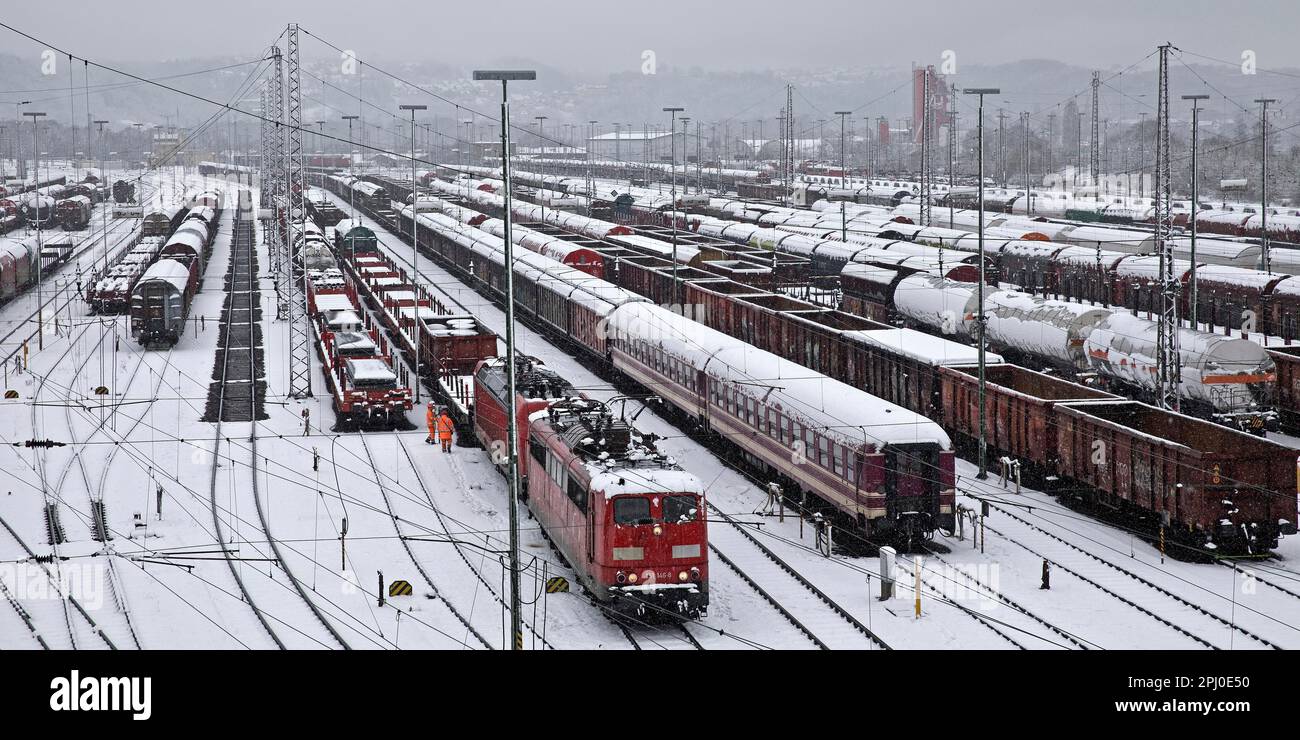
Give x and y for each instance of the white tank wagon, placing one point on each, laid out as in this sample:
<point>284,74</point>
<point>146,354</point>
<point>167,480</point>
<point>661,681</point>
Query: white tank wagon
<point>1038,329</point>
<point>1231,380</point>
<point>940,305</point>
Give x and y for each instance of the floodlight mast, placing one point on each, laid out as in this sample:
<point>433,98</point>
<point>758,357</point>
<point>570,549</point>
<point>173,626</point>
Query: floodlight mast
<point>505,76</point>
<point>979,311</point>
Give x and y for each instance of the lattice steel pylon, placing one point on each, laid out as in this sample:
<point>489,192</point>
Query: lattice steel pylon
<point>927,140</point>
<point>1167,354</point>
<point>264,110</point>
<point>267,173</point>
<point>299,348</point>
<point>276,171</point>
<point>1094,142</point>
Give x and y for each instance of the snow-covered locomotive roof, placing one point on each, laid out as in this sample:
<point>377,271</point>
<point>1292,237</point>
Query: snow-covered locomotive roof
<point>835,409</point>
<point>618,458</point>
<point>625,481</point>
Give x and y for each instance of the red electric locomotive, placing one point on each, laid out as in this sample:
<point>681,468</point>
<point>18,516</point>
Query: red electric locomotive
<point>536,386</point>
<point>626,517</point>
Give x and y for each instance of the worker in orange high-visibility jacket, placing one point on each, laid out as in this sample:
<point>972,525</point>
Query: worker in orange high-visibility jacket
<point>445,427</point>
<point>431,419</point>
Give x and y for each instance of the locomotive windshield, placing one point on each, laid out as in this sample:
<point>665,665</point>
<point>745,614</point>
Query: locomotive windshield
<point>680,509</point>
<point>632,510</point>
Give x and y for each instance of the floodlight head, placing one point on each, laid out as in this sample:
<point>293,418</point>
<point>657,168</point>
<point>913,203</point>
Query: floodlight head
<point>505,74</point>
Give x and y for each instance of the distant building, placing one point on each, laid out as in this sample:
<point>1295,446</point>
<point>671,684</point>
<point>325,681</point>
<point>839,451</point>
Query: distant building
<point>939,102</point>
<point>167,143</point>
<point>770,149</point>
<point>636,146</point>
<point>560,152</point>
<point>389,160</point>
<point>489,149</point>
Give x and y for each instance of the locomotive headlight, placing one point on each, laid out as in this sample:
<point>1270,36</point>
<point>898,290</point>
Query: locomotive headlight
<point>658,530</point>
<point>695,574</point>
<point>682,576</point>
<point>631,577</point>
<point>621,577</point>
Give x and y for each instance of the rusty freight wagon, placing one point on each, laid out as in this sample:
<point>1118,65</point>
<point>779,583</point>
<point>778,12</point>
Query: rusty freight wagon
<point>1209,486</point>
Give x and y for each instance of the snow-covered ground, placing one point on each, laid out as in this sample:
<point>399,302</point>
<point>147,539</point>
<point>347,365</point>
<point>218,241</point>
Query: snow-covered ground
<point>439,521</point>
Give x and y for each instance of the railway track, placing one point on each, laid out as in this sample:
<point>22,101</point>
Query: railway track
<point>406,544</point>
<point>96,516</point>
<point>461,549</point>
<point>828,624</point>
<point>995,594</point>
<point>86,245</point>
<point>665,637</point>
<point>54,501</point>
<point>217,527</point>
<point>1119,581</point>
<point>55,579</point>
<point>243,283</point>
<point>1290,590</point>
<point>23,615</point>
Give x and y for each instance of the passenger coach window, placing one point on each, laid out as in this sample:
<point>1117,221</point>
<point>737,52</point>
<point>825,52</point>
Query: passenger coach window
<point>680,509</point>
<point>632,510</point>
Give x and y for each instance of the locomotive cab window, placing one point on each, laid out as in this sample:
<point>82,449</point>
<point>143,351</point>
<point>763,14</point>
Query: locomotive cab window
<point>632,510</point>
<point>680,509</point>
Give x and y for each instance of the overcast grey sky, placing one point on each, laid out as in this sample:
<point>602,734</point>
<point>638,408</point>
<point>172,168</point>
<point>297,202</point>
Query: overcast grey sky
<point>608,36</point>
